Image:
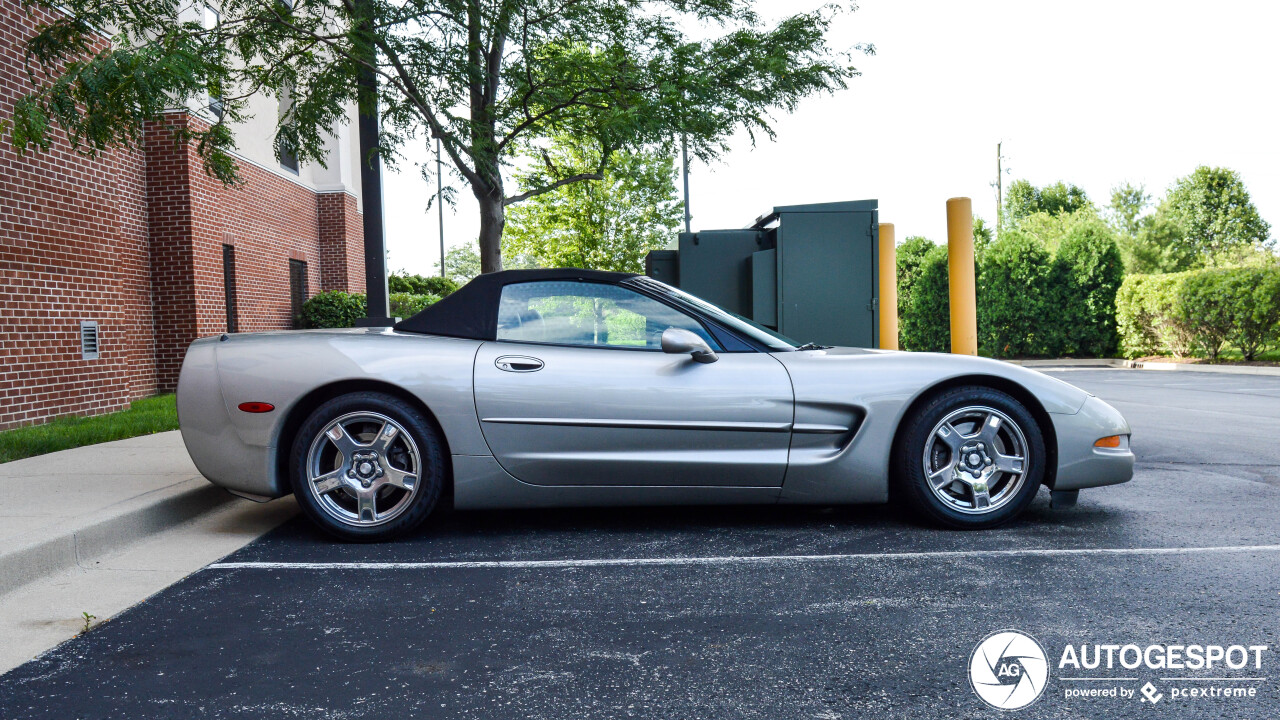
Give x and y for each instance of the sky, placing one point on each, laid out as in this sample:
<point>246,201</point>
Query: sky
<point>1091,92</point>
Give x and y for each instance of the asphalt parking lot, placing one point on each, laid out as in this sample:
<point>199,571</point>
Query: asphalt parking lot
<point>728,612</point>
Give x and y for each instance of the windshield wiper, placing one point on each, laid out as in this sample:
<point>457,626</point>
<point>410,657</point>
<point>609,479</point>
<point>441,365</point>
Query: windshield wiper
<point>813,346</point>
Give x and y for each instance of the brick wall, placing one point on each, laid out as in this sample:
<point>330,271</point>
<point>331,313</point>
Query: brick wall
<point>134,241</point>
<point>268,220</point>
<point>341,243</point>
<point>73,247</point>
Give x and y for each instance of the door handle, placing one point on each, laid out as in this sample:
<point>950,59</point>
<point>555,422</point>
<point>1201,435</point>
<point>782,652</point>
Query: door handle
<point>518,363</point>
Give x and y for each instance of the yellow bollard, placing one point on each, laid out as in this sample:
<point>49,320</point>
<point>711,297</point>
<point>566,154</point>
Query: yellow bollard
<point>888,288</point>
<point>960,276</point>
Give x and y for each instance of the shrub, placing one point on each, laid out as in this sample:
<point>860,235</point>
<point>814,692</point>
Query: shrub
<point>404,305</point>
<point>1135,317</point>
<point>420,285</point>
<point>910,255</point>
<point>1236,305</point>
<point>1204,304</point>
<point>926,324</point>
<point>1015,295</point>
<point>333,309</point>
<point>1259,324</point>
<point>1030,301</point>
<point>1200,311</point>
<point>1088,272</point>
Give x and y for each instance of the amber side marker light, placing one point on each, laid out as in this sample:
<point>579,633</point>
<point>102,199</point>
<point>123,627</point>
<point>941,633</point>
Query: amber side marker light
<point>261,407</point>
<point>1111,441</point>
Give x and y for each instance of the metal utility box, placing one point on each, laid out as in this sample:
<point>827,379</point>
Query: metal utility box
<point>715,265</point>
<point>808,271</point>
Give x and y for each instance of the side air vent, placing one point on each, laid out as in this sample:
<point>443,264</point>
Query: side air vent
<point>89,339</point>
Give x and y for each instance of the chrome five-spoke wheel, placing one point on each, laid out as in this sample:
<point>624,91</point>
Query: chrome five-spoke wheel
<point>969,457</point>
<point>362,469</point>
<point>976,459</point>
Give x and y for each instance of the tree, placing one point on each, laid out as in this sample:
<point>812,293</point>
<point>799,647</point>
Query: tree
<point>982,232</point>
<point>487,79</point>
<point>1128,203</point>
<point>1213,210</point>
<point>1024,199</point>
<point>1206,219</point>
<point>1158,247</point>
<point>462,263</point>
<point>605,225</point>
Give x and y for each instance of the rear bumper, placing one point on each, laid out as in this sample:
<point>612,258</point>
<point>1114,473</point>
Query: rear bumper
<point>217,450</point>
<point>1080,464</point>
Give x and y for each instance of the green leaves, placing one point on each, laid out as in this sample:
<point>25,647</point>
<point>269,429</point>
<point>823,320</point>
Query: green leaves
<point>333,309</point>
<point>1215,213</point>
<point>1240,306</point>
<point>606,224</point>
<point>1023,199</point>
<point>488,78</point>
<point>1207,219</point>
<point>1033,300</point>
<point>1200,311</point>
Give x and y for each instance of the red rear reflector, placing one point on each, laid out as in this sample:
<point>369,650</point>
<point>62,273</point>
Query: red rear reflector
<point>1111,441</point>
<point>256,407</point>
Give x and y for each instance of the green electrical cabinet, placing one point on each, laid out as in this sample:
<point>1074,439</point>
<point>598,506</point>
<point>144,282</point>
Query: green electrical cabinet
<point>808,271</point>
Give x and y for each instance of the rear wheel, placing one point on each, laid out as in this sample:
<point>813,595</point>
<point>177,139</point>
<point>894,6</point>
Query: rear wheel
<point>367,467</point>
<point>970,458</point>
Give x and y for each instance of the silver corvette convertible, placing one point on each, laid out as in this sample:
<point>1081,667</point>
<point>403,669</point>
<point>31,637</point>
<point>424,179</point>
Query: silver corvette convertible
<point>531,388</point>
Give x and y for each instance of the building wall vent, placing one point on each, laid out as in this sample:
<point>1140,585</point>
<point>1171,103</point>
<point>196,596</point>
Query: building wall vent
<point>89,339</point>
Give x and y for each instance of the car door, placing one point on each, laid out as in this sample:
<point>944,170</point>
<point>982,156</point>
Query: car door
<point>577,391</point>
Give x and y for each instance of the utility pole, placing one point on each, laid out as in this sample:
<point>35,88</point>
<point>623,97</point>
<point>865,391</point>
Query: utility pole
<point>684,158</point>
<point>999,186</point>
<point>375,242</point>
<point>440,203</point>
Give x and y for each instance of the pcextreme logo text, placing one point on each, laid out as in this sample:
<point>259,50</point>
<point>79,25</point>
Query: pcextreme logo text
<point>1009,670</point>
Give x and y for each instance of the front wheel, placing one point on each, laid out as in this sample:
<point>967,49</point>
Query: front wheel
<point>367,467</point>
<point>969,458</point>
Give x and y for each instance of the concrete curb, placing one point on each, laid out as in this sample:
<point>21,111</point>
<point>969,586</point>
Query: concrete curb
<point>1072,363</point>
<point>77,543</point>
<point>1196,367</point>
<point>1135,365</point>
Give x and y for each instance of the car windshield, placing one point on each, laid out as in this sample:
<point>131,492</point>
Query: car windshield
<point>761,334</point>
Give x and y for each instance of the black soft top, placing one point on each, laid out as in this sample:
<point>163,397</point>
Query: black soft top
<point>472,311</point>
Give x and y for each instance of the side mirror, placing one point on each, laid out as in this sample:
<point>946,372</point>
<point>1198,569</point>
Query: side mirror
<point>678,341</point>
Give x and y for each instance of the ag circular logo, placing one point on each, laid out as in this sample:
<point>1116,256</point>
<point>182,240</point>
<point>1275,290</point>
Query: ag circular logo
<point>1008,670</point>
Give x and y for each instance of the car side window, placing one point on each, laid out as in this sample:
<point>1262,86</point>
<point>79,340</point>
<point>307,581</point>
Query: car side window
<point>588,314</point>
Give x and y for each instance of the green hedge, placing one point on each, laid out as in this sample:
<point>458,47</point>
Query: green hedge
<point>1200,312</point>
<point>1030,302</point>
<point>910,256</point>
<point>926,323</point>
<point>1015,291</point>
<point>420,285</point>
<point>404,305</point>
<point>333,309</point>
<point>1088,270</point>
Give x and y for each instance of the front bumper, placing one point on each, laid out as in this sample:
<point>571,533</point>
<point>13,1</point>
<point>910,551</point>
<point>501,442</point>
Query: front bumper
<point>1080,464</point>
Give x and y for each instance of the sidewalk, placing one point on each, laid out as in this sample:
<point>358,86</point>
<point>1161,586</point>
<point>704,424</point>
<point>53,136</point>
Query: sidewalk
<point>98,529</point>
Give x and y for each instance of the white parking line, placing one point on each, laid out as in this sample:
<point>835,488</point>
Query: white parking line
<point>734,559</point>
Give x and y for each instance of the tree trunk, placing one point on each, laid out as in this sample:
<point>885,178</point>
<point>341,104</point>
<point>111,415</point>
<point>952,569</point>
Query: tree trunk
<point>493,217</point>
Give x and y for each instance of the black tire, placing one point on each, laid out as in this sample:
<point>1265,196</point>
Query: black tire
<point>363,411</point>
<point>910,480</point>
